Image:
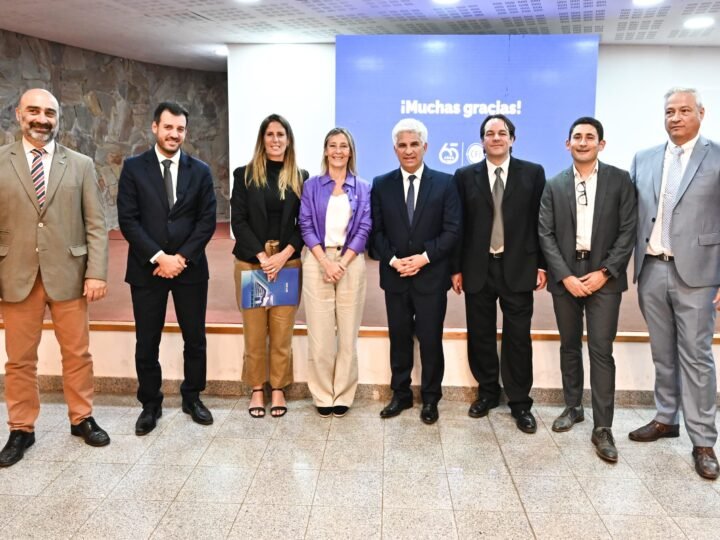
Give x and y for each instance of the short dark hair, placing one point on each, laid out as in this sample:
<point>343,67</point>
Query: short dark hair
<point>174,107</point>
<point>594,122</point>
<point>508,123</point>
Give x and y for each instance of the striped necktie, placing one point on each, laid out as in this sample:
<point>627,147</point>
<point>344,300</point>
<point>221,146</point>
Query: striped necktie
<point>37,173</point>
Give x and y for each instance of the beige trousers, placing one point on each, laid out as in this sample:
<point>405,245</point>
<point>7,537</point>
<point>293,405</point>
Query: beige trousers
<point>23,329</point>
<point>333,312</point>
<point>267,333</point>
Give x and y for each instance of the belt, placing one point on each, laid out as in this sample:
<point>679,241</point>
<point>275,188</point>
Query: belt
<point>496,255</point>
<point>662,257</point>
<point>581,255</point>
<point>332,247</point>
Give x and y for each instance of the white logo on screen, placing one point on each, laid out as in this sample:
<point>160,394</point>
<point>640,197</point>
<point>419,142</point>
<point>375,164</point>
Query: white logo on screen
<point>474,152</point>
<point>449,153</point>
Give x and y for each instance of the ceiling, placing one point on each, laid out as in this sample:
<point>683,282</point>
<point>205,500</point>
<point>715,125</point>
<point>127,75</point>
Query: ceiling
<point>185,33</point>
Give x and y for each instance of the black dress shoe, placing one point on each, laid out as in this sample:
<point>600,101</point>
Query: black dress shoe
<point>147,420</point>
<point>604,442</point>
<point>481,406</point>
<point>429,413</point>
<point>525,421</point>
<point>395,407</point>
<point>91,433</point>
<point>14,450</point>
<point>568,418</point>
<point>197,411</point>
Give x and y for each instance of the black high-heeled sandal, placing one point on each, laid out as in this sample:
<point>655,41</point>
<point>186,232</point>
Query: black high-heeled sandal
<point>257,412</point>
<point>278,408</point>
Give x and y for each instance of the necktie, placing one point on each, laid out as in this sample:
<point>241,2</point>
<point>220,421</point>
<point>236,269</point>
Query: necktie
<point>498,232</point>
<point>410,200</point>
<point>671,187</point>
<point>37,173</point>
<point>168,182</point>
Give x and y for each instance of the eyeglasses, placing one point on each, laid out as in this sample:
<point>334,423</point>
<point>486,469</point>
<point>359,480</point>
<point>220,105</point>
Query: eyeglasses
<point>582,193</point>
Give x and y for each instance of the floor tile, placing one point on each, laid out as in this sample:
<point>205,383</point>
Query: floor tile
<point>245,453</point>
<point>365,407</point>
<point>184,520</point>
<point>270,522</point>
<point>240,425</point>
<point>627,496</point>
<point>584,461</point>
<point>50,517</point>
<point>344,455</point>
<point>535,459</point>
<point>309,427</point>
<point>10,506</point>
<point>56,446</point>
<point>29,477</point>
<point>182,425</point>
<point>649,460</point>
<point>699,528</point>
<point>122,449</point>
<point>552,526</point>
<point>466,431</point>
<point>483,493</point>
<point>645,527</point>
<point>414,457</point>
<point>409,429</point>
<point>506,432</point>
<point>357,428</point>
<point>86,480</point>
<point>123,520</point>
<point>152,482</point>
<point>348,523</point>
<point>292,454</point>
<point>288,487</point>
<point>549,494</point>
<point>415,524</point>
<point>691,498</point>
<point>472,524</point>
<point>174,450</point>
<point>219,484</point>
<point>474,459</point>
<point>352,489</point>
<point>416,490</point>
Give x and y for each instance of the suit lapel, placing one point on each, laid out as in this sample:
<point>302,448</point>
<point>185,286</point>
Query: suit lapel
<point>397,192</point>
<point>20,164</point>
<point>482,181</point>
<point>657,171</point>
<point>157,183</point>
<point>426,185</point>
<point>600,193</point>
<point>513,175</point>
<point>57,173</point>
<point>569,188</point>
<point>698,154</point>
<point>183,179</point>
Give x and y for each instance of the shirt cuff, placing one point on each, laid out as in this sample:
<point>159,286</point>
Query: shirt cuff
<point>153,259</point>
<point>393,260</point>
<point>426,256</point>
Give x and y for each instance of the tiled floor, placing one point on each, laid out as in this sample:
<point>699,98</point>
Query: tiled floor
<point>302,476</point>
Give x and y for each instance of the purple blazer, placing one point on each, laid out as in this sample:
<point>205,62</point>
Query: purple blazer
<point>313,209</point>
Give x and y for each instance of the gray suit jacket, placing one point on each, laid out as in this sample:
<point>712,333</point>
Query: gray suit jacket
<point>613,228</point>
<point>67,240</point>
<point>695,229</point>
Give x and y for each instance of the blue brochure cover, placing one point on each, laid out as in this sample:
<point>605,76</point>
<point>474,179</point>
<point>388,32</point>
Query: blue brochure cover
<point>257,291</point>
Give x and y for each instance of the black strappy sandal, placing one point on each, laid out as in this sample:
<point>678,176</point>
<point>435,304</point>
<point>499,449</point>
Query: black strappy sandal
<point>278,408</point>
<point>257,412</point>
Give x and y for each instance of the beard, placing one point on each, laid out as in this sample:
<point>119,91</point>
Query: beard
<point>44,136</point>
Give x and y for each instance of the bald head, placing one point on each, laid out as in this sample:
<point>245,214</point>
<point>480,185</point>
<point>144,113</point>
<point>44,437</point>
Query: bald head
<point>37,113</point>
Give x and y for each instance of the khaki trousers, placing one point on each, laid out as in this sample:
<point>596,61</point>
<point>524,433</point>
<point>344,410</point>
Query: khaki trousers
<point>267,333</point>
<point>23,329</point>
<point>333,312</point>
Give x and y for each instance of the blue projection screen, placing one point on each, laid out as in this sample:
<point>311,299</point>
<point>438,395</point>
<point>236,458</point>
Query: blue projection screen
<point>450,83</point>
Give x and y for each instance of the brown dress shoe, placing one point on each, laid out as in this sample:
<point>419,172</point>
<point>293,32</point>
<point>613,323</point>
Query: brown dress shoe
<point>654,431</point>
<point>706,464</point>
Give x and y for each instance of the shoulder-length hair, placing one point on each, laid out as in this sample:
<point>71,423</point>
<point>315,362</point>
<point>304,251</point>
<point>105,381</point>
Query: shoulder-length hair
<point>256,170</point>
<point>351,165</point>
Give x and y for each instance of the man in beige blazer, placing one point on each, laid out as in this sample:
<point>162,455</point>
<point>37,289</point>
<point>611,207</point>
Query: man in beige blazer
<point>53,252</point>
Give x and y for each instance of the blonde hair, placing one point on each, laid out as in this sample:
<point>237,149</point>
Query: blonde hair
<point>256,170</point>
<point>351,164</point>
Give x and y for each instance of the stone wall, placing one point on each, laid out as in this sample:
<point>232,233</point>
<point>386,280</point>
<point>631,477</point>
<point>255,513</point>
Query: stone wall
<point>107,104</point>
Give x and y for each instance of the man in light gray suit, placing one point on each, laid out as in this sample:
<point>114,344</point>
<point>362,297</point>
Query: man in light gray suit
<point>677,266</point>
<point>587,229</point>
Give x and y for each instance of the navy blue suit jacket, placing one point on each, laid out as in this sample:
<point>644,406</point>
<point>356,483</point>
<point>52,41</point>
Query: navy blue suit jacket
<point>435,229</point>
<point>149,225</point>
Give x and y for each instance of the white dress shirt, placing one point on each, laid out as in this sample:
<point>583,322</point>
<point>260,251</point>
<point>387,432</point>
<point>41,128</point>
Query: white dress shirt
<point>585,212</point>
<point>406,185</point>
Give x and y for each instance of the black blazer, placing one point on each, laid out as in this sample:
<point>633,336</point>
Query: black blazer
<point>435,229</point>
<point>248,218</point>
<point>149,225</point>
<point>613,228</point>
<point>521,204</point>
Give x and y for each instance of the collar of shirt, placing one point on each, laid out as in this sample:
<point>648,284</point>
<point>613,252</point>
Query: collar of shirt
<point>349,179</point>
<point>687,147</point>
<point>590,177</point>
<point>491,171</point>
<point>161,157</point>
<point>49,148</point>
<point>418,175</point>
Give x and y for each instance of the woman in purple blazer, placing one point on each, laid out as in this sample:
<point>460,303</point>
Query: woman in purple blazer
<point>335,225</point>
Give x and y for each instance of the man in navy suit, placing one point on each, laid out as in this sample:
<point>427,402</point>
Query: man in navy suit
<point>416,223</point>
<point>166,209</point>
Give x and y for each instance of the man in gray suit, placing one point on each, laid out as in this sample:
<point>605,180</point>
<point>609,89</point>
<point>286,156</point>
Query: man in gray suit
<point>587,230</point>
<point>677,266</point>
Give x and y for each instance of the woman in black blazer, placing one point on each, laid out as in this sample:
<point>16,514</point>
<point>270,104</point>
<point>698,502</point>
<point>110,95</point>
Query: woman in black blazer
<point>265,204</point>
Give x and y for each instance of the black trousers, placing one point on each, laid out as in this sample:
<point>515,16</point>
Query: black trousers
<point>515,362</point>
<point>413,314</point>
<point>602,311</point>
<point>149,307</point>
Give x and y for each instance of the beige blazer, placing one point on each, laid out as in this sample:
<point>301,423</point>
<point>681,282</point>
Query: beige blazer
<point>67,241</point>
